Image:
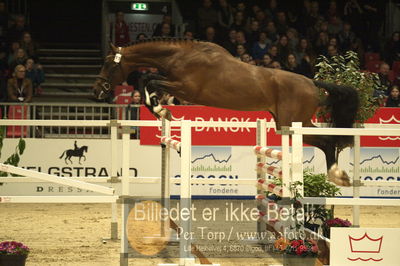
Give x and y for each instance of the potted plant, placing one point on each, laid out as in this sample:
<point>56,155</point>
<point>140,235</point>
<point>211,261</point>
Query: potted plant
<point>317,185</point>
<point>297,252</point>
<point>335,222</point>
<point>345,70</point>
<point>13,253</point>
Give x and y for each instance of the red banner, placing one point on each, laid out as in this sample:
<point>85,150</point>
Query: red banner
<point>245,136</point>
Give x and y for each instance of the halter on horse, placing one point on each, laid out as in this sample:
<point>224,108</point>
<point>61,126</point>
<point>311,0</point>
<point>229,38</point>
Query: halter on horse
<point>206,74</point>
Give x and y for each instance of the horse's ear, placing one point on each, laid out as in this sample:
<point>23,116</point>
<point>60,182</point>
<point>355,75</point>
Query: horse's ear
<point>113,48</point>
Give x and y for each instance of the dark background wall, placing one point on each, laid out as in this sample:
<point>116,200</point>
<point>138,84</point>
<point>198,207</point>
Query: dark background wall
<point>66,21</point>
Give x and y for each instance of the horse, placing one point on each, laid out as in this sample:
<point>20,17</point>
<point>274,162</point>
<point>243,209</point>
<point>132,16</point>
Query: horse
<point>205,73</point>
<point>76,153</point>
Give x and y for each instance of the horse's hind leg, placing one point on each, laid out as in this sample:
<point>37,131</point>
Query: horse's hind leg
<point>328,145</point>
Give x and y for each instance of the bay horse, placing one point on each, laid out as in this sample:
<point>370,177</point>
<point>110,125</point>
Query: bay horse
<point>204,73</point>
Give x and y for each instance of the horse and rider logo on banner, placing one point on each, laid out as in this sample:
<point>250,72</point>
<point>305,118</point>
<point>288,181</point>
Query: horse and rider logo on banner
<point>76,152</point>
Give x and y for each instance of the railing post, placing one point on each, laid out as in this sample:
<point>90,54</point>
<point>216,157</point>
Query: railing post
<point>356,180</point>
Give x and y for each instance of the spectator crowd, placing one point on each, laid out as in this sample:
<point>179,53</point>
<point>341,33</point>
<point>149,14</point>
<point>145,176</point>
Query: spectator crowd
<point>20,71</point>
<point>290,35</point>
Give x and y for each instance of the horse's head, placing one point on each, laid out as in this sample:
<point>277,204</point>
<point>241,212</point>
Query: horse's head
<point>112,73</point>
<point>84,148</point>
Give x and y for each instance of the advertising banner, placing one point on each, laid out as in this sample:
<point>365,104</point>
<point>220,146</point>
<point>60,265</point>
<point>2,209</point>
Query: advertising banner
<point>364,246</point>
<point>246,136</point>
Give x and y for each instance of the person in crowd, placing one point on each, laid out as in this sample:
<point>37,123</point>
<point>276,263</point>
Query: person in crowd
<point>357,46</point>
<point>393,99</point>
<point>332,10</point>
<point>304,49</point>
<point>165,30</point>
<point>266,61</point>
<point>120,30</point>
<point>241,7</point>
<point>262,20</point>
<point>19,58</point>
<point>276,65</point>
<point>293,38</point>
<point>210,35</point>
<point>246,58</point>
<point>134,112</point>
<point>335,25</point>
<point>273,52</point>
<point>19,87</point>
<point>241,39</point>
<point>283,48</point>
<point>353,13</point>
<point>35,73</point>
<point>302,67</point>
<point>272,34</point>
<point>225,16</point>
<point>17,29</point>
<point>322,43</point>
<point>373,17</point>
<point>291,64</point>
<point>281,24</point>
<point>206,16</point>
<point>332,51</point>
<point>168,20</point>
<point>239,21</point>
<point>231,43</point>
<point>253,32</point>
<point>253,13</point>
<point>383,75</point>
<point>392,48</point>
<point>240,50</point>
<point>272,9</point>
<point>13,51</point>
<point>188,35</point>
<point>346,37</point>
<point>141,36</point>
<point>29,46</point>
<point>261,47</point>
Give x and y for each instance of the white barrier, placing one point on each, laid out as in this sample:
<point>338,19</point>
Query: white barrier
<point>296,162</point>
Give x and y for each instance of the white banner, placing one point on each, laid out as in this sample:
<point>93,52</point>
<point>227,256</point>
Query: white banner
<point>208,162</point>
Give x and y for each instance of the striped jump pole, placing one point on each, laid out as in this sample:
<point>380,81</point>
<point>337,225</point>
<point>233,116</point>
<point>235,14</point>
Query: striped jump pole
<point>174,144</point>
<point>269,169</point>
<point>268,152</point>
<point>264,185</point>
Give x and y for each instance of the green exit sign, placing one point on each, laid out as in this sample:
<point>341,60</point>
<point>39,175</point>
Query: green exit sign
<point>140,6</point>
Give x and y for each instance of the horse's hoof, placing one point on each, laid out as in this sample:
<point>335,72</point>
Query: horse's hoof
<point>338,177</point>
<point>165,113</point>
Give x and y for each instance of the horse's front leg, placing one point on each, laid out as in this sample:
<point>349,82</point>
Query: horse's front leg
<point>152,101</point>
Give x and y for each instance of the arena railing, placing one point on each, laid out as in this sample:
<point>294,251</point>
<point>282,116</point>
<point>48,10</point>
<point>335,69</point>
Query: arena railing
<point>61,111</point>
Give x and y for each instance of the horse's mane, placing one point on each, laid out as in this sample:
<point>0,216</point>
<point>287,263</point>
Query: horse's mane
<point>165,40</point>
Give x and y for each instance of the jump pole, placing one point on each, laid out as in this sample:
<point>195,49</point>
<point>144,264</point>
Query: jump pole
<point>261,140</point>
<point>114,177</point>
<point>165,170</point>
<point>56,179</point>
<point>356,180</point>
<point>125,192</point>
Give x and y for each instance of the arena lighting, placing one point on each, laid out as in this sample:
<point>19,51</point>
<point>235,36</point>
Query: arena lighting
<point>140,6</point>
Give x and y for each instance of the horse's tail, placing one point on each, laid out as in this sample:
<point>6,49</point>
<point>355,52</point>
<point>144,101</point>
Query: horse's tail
<point>342,103</point>
<point>62,154</point>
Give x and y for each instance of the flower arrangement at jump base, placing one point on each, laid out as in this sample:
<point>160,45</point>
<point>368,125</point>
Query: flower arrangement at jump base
<point>335,222</point>
<point>297,251</point>
<point>13,253</point>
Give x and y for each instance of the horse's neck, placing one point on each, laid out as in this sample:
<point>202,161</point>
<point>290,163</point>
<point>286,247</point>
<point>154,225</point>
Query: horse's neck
<point>151,54</point>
